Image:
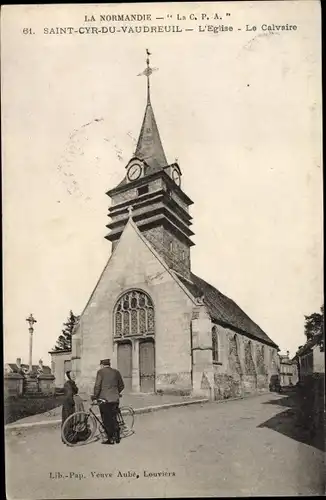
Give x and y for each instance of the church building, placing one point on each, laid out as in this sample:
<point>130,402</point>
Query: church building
<point>166,329</point>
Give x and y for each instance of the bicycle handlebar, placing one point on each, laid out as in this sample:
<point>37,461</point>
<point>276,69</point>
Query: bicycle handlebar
<point>97,401</point>
<point>100,400</point>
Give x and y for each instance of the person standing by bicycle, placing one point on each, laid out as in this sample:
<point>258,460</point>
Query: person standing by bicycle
<point>70,390</point>
<point>108,386</point>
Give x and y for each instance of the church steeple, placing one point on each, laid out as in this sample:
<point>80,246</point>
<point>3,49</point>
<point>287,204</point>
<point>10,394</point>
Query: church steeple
<point>149,146</point>
<point>151,191</point>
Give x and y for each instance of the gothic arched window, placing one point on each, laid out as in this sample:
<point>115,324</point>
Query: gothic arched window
<point>215,344</point>
<point>134,315</point>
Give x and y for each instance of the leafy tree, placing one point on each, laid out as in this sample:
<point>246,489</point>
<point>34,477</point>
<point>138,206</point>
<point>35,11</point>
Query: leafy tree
<point>314,325</point>
<point>64,340</point>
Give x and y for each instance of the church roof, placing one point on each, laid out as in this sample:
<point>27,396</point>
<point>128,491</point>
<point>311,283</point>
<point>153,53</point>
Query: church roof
<point>224,310</point>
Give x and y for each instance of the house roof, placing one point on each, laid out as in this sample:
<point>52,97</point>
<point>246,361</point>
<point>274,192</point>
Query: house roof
<point>60,351</point>
<point>15,369</point>
<point>309,345</point>
<point>284,359</point>
<point>224,310</point>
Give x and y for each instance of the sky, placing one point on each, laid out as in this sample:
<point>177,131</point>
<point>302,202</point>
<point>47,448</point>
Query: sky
<point>240,111</point>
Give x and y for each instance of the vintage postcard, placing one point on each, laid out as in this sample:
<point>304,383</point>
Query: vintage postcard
<point>162,223</point>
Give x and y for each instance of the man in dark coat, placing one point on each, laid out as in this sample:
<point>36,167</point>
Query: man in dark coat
<point>108,386</point>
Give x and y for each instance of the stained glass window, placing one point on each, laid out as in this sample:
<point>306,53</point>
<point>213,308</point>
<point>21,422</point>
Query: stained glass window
<point>134,322</point>
<point>118,323</point>
<point>126,302</point>
<point>142,321</point>
<point>134,315</point>
<point>126,322</point>
<point>150,319</point>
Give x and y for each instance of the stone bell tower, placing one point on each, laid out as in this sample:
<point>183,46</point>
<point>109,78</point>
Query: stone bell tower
<point>152,190</point>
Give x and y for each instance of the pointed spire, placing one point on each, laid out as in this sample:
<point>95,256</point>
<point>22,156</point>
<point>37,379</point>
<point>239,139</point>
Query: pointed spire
<point>149,145</point>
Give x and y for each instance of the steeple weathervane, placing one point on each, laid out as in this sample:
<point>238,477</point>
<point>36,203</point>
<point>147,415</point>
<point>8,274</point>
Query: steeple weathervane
<point>147,72</point>
<point>149,147</point>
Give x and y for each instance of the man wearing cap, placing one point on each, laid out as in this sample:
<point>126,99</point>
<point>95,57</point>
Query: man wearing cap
<point>108,386</point>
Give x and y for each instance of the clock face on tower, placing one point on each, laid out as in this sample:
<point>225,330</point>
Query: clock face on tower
<point>176,176</point>
<point>134,171</point>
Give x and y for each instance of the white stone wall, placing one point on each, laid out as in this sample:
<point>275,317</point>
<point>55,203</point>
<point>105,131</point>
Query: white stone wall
<point>318,360</point>
<point>202,360</point>
<point>60,363</point>
<point>134,266</point>
<point>231,376</point>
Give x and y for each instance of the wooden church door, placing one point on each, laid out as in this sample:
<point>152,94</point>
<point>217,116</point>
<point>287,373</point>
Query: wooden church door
<point>125,364</point>
<point>147,366</point>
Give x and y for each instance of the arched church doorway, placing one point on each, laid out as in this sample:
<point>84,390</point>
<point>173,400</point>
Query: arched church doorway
<point>147,365</point>
<point>124,360</point>
<point>134,331</point>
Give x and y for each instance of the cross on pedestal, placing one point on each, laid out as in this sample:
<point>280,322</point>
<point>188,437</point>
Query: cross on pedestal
<point>30,320</point>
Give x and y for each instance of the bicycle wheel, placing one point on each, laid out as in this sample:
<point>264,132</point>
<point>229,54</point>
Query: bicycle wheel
<point>78,429</point>
<point>126,417</point>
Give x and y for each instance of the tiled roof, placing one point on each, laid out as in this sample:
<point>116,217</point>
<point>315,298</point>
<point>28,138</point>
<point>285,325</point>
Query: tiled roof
<point>59,351</point>
<point>285,360</point>
<point>224,310</point>
<point>14,367</point>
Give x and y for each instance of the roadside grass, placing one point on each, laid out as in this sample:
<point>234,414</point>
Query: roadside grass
<point>16,408</point>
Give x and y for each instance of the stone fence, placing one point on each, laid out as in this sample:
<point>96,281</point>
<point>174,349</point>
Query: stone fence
<point>16,385</point>
<point>13,384</point>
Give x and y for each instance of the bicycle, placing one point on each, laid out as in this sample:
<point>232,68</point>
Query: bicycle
<point>82,427</point>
